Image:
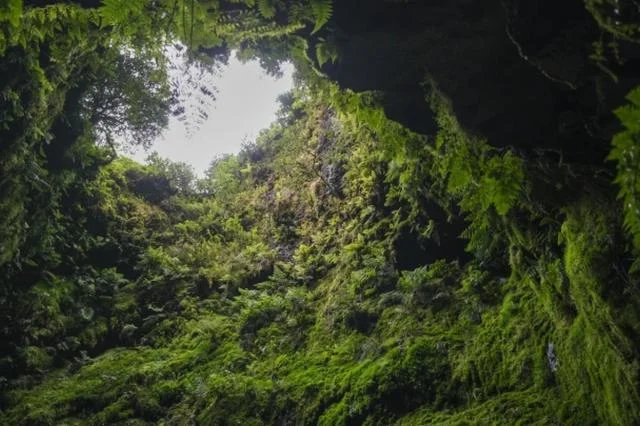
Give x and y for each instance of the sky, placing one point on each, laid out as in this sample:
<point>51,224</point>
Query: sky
<point>246,102</point>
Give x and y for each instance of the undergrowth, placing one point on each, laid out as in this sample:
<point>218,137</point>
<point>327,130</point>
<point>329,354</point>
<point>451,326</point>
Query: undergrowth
<point>273,294</point>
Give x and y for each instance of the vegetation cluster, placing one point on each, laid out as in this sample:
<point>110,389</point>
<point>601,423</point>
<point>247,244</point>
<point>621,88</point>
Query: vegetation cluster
<point>340,270</point>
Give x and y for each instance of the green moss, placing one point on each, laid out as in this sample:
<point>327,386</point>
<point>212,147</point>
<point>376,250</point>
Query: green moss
<point>257,302</point>
<point>599,365</point>
<point>514,408</point>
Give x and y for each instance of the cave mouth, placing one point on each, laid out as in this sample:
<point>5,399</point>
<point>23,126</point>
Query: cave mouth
<point>244,101</point>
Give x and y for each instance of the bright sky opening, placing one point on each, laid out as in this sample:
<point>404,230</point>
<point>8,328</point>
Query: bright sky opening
<point>246,102</point>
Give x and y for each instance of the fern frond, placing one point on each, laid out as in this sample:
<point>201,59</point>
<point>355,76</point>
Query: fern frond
<point>626,151</point>
<point>11,12</point>
<point>115,12</point>
<point>327,51</point>
<point>267,8</point>
<point>322,11</point>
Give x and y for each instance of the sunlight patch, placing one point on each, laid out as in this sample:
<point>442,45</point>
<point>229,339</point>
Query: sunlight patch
<point>246,102</point>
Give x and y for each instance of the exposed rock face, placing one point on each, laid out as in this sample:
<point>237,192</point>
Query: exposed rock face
<point>517,72</point>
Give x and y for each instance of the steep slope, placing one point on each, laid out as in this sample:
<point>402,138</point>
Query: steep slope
<point>444,246</point>
<point>309,281</point>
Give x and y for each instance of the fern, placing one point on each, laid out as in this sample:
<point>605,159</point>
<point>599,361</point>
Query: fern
<point>322,11</point>
<point>11,12</point>
<point>502,183</point>
<point>626,151</point>
<point>327,51</point>
<point>115,12</point>
<point>267,8</point>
